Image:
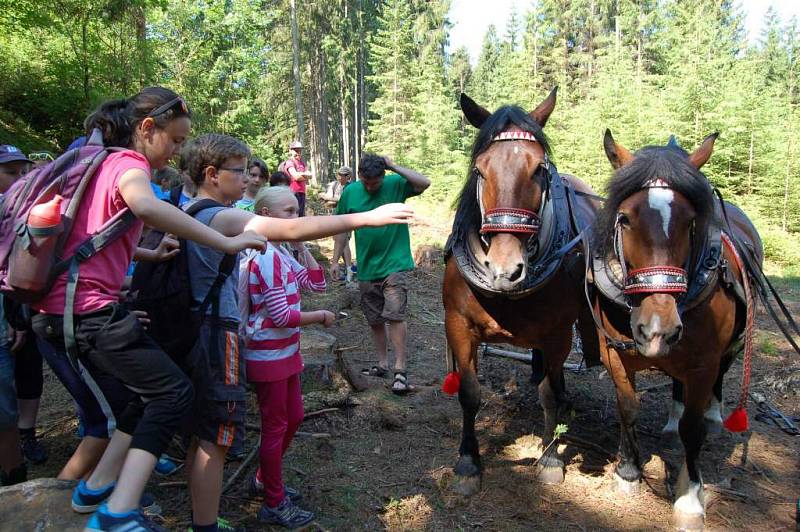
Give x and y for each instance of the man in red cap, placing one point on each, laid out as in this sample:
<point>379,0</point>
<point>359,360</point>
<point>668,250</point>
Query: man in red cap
<point>295,168</point>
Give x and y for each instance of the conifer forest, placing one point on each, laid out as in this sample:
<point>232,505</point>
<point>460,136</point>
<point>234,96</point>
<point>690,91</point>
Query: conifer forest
<point>353,75</point>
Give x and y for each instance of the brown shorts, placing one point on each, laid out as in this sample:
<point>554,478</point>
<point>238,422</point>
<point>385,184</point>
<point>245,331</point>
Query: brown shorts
<point>385,299</point>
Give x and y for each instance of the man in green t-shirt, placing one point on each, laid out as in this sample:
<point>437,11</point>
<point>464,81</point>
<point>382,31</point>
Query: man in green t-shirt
<point>384,258</point>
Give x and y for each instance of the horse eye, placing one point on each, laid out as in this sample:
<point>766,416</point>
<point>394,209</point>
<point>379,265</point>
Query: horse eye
<point>623,220</point>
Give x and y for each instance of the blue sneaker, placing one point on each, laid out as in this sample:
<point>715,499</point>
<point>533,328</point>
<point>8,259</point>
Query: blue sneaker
<point>85,500</point>
<point>287,514</point>
<point>166,466</point>
<point>256,489</point>
<point>104,521</point>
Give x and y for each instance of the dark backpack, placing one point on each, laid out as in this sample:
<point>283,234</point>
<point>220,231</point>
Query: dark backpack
<point>164,291</point>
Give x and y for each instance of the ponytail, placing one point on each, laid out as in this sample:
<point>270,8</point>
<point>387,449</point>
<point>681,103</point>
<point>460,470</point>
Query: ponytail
<point>118,119</point>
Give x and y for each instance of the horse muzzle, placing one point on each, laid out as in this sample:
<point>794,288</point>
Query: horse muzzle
<point>656,325</point>
<point>505,262</point>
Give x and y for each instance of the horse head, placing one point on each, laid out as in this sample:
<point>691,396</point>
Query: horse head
<point>508,187</point>
<point>658,200</point>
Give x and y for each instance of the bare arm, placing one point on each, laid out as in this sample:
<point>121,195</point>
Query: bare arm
<point>419,182</point>
<point>134,187</point>
<point>295,175</point>
<point>235,221</point>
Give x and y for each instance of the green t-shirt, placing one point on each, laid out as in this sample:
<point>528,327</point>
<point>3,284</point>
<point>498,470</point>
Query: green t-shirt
<point>380,250</point>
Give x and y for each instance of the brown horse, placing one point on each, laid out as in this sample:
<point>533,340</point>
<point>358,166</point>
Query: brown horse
<point>669,297</point>
<point>513,272</point>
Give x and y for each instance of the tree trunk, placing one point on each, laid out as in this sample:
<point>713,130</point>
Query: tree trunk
<point>298,94</point>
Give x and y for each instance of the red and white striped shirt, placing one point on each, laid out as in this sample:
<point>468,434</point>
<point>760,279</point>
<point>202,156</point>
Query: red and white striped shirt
<point>271,329</point>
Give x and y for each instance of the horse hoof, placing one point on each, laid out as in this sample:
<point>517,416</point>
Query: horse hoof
<point>550,474</point>
<point>628,487</point>
<point>688,522</point>
<point>467,486</point>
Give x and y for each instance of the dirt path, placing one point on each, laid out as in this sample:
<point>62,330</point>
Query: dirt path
<point>389,460</point>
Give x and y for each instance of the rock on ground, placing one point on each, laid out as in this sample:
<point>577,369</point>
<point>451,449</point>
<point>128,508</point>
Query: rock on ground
<point>41,504</point>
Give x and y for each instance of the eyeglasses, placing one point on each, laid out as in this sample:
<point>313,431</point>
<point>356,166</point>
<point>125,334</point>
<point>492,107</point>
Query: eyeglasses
<point>178,103</point>
<point>240,171</point>
<point>41,156</point>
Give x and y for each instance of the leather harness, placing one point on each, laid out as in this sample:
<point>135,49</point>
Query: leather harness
<point>552,232</point>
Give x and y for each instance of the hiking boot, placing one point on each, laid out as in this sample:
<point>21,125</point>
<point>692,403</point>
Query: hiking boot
<point>287,514</point>
<point>85,500</point>
<point>17,475</point>
<point>134,521</point>
<point>256,489</point>
<point>31,447</point>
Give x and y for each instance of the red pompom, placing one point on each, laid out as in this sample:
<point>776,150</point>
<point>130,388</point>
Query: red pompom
<point>451,383</point>
<point>737,421</point>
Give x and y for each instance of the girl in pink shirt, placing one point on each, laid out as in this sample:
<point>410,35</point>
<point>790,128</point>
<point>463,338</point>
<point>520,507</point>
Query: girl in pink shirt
<point>269,295</point>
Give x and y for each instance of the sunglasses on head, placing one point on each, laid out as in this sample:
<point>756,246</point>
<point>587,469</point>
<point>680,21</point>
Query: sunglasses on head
<point>176,103</point>
<point>40,156</point>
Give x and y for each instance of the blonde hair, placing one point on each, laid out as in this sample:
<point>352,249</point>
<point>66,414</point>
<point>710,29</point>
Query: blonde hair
<point>272,198</point>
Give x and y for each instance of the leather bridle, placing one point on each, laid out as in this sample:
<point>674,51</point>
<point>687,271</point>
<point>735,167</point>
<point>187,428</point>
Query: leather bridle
<point>508,219</point>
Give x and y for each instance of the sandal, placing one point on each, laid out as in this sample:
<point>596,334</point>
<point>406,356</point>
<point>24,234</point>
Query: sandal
<point>375,371</point>
<point>400,384</point>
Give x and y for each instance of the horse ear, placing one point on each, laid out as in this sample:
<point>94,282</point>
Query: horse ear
<point>542,112</point>
<point>617,154</point>
<point>475,114</point>
<point>701,155</point>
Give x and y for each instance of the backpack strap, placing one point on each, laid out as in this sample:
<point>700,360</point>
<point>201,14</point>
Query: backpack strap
<point>175,195</point>
<point>108,233</point>
<point>225,268</point>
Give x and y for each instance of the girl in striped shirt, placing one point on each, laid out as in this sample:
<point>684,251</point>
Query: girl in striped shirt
<point>269,293</point>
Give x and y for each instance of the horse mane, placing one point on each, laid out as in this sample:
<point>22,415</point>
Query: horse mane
<point>670,164</point>
<point>468,212</point>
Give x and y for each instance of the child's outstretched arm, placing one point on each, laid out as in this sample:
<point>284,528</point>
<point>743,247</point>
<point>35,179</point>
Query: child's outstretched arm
<point>235,221</point>
<point>134,187</point>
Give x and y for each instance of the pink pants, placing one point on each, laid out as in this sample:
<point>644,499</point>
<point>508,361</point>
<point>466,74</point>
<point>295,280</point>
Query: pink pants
<point>281,406</point>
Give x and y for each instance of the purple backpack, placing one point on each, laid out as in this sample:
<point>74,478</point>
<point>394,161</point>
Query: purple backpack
<point>30,257</point>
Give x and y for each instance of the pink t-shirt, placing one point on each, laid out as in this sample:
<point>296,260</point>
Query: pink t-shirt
<point>300,167</point>
<point>101,276</point>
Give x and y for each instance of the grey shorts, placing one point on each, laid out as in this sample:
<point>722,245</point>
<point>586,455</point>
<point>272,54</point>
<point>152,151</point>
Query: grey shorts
<point>385,299</point>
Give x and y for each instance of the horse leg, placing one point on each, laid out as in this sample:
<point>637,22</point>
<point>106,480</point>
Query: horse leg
<point>627,472</point>
<point>468,468</point>
<point>689,507</point>
<point>670,430</point>
<point>552,396</point>
<point>713,414</point>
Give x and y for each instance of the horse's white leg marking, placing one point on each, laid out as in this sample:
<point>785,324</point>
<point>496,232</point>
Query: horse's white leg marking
<point>689,497</point>
<point>675,413</point>
<point>660,199</point>
<point>714,411</point>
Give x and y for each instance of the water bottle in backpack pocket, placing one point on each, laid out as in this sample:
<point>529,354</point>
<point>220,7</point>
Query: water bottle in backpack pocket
<point>34,252</point>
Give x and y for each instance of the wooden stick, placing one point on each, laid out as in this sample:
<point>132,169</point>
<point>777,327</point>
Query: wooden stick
<point>241,468</point>
<point>172,484</point>
<point>314,435</point>
<point>585,443</point>
<point>320,412</point>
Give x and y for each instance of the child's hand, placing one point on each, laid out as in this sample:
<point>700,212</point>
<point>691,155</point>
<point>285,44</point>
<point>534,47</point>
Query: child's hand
<point>391,213</point>
<point>142,316</point>
<point>167,248</point>
<point>246,240</point>
<point>328,318</point>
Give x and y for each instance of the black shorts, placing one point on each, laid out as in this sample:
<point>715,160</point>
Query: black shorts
<point>217,371</point>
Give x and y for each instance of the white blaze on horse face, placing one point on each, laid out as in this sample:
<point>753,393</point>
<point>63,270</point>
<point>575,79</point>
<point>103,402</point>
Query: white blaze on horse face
<point>516,150</point>
<point>660,199</point>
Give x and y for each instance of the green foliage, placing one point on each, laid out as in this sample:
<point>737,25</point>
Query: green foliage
<point>377,75</point>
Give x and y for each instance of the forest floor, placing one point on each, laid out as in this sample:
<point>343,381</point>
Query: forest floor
<point>388,461</point>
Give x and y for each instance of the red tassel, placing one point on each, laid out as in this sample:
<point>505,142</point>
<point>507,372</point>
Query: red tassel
<point>451,383</point>
<point>737,421</point>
